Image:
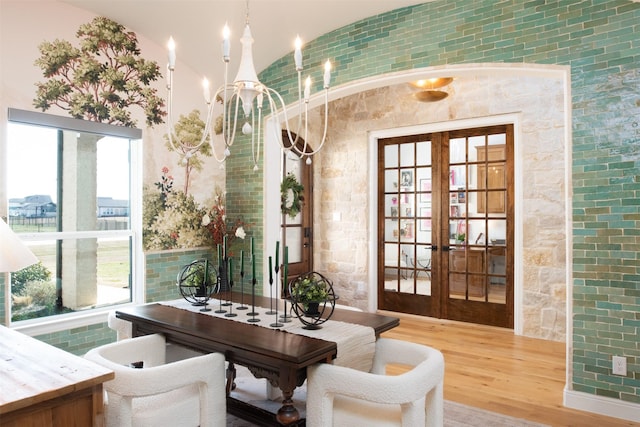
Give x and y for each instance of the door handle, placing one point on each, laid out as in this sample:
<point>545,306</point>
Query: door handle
<point>434,248</point>
<point>446,248</point>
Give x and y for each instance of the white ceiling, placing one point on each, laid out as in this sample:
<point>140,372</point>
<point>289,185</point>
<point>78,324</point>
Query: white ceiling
<point>196,25</point>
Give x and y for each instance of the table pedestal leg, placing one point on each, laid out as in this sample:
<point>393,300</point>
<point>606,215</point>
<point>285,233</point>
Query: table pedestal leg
<point>231,378</point>
<point>288,413</point>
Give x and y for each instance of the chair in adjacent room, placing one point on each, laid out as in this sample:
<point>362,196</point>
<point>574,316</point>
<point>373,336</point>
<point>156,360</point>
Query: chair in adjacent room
<point>147,391</point>
<point>339,396</point>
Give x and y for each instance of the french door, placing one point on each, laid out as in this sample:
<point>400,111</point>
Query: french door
<point>297,230</point>
<point>445,221</point>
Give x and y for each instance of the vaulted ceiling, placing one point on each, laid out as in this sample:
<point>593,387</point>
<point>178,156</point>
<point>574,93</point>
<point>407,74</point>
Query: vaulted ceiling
<point>196,25</point>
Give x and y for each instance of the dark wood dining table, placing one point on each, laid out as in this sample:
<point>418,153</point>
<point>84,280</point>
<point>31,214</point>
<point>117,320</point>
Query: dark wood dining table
<point>280,357</point>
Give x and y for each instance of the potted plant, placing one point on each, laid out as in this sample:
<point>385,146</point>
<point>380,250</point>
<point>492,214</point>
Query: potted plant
<point>310,290</point>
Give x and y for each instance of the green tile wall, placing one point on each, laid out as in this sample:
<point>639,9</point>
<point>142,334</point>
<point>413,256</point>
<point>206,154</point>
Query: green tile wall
<point>599,41</point>
<point>80,340</point>
<point>162,269</point>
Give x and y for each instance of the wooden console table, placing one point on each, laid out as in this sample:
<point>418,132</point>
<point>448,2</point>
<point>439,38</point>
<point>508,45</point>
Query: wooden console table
<point>45,386</point>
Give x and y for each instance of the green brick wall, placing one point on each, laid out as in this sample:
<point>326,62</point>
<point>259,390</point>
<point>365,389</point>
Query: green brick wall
<point>80,340</point>
<point>162,270</point>
<point>599,41</point>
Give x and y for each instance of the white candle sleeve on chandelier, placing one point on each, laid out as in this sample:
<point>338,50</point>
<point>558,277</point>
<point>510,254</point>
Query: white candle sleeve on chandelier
<point>172,52</point>
<point>226,33</point>
<point>297,56</point>
<point>206,91</point>
<point>307,89</point>
<point>327,74</point>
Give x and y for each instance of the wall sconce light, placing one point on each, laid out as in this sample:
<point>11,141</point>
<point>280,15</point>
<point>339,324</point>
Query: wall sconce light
<point>428,92</point>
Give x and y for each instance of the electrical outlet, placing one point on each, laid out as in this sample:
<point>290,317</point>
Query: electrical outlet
<point>619,365</point>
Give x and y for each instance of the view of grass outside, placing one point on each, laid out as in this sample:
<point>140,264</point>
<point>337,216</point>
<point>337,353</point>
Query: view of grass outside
<point>113,275</point>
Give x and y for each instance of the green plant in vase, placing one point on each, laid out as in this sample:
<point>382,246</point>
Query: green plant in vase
<point>310,290</point>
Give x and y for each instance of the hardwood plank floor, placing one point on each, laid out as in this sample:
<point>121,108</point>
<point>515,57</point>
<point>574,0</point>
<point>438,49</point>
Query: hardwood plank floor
<point>492,368</point>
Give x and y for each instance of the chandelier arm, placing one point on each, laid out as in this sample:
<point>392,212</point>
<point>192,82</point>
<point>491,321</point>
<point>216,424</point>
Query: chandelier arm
<point>255,147</point>
<point>213,150</point>
<point>273,106</point>
<point>170,106</point>
<point>294,142</point>
<point>226,114</point>
<point>187,150</point>
<point>326,123</point>
<point>224,99</point>
<point>233,124</point>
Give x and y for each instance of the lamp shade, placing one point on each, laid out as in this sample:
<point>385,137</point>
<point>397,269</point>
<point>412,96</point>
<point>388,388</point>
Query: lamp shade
<point>14,255</point>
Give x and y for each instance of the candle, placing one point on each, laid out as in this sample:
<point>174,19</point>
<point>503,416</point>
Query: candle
<point>225,43</point>
<point>270,271</point>
<point>277,254</point>
<point>253,266</point>
<point>219,256</point>
<point>206,272</point>
<point>297,55</point>
<point>205,90</point>
<point>172,53</point>
<point>224,249</point>
<point>252,247</point>
<point>241,261</point>
<point>286,265</point>
<point>230,272</point>
<point>327,74</point>
<point>307,88</point>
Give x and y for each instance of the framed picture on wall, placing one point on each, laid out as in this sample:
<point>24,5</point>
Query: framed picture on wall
<point>425,187</point>
<point>406,179</point>
<point>425,220</point>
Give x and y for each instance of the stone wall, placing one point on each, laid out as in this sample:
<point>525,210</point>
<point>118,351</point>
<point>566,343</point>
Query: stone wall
<point>342,183</point>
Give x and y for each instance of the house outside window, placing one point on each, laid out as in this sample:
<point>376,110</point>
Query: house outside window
<point>72,200</point>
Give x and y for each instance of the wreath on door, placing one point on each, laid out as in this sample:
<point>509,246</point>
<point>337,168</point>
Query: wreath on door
<point>291,196</point>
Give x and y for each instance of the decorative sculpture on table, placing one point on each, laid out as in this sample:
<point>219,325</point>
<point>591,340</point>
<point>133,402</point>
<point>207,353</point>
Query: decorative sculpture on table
<point>312,299</point>
<point>197,282</point>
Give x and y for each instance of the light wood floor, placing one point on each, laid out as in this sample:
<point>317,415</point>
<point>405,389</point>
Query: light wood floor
<point>493,369</point>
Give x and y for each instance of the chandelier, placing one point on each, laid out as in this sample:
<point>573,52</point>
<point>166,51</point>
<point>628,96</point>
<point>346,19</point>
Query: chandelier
<point>243,101</point>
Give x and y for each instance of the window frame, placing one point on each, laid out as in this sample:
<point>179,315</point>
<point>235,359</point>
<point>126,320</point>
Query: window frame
<point>61,322</point>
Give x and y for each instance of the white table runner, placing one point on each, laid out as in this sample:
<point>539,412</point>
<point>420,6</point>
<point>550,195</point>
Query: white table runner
<point>355,343</point>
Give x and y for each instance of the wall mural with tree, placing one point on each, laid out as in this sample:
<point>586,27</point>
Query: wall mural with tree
<point>102,80</point>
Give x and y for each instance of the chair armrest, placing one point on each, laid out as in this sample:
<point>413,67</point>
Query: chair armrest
<point>390,350</point>
<point>208,368</point>
<point>151,349</point>
<point>325,379</point>
<point>122,327</point>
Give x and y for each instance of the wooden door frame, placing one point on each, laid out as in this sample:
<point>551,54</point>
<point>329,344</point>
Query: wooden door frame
<point>306,173</point>
<point>440,234</point>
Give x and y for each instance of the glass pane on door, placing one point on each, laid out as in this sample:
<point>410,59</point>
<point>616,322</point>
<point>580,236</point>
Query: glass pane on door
<point>408,218</point>
<point>477,218</point>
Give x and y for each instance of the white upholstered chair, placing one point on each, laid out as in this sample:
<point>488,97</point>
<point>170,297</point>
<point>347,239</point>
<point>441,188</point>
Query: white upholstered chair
<point>189,392</point>
<point>339,396</point>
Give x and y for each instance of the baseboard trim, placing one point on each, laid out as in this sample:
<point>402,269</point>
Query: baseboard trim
<point>602,405</point>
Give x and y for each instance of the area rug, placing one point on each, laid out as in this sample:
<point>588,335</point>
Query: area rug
<point>455,414</point>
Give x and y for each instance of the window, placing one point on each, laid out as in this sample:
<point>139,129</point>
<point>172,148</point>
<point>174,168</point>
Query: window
<point>72,199</point>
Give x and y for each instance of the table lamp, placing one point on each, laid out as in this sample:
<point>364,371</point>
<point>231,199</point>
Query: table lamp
<point>14,254</point>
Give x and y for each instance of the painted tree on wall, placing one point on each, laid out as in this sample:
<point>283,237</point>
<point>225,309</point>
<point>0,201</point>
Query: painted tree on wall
<point>188,134</point>
<point>102,78</point>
